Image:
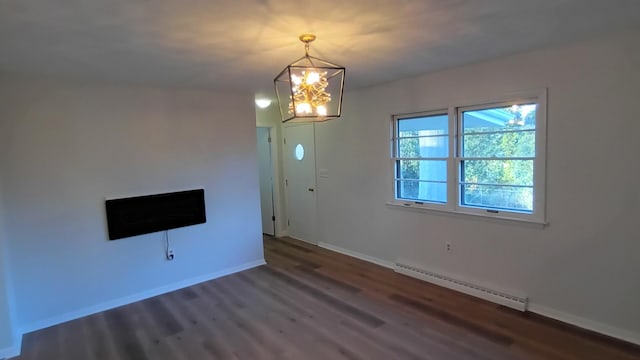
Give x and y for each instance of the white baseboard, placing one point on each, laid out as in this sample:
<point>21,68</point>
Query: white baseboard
<point>357,255</point>
<point>587,324</point>
<point>135,297</point>
<point>303,240</point>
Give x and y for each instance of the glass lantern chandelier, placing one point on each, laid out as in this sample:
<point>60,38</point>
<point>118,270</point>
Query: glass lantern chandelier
<point>310,89</point>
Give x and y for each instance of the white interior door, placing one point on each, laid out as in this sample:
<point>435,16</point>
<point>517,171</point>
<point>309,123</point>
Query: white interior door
<point>300,181</point>
<point>265,167</point>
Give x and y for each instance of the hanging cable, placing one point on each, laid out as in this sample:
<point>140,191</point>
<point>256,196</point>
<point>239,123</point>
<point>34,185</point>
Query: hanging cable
<point>167,249</point>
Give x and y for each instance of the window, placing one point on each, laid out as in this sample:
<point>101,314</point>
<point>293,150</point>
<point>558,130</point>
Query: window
<point>421,162</point>
<point>482,159</point>
<point>299,152</point>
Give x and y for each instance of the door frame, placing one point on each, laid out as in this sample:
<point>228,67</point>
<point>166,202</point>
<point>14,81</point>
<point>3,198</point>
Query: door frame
<point>280,223</point>
<point>284,177</point>
<point>273,178</point>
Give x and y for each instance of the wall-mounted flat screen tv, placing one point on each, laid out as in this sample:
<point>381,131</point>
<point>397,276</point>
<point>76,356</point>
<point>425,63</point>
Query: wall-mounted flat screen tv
<point>151,213</point>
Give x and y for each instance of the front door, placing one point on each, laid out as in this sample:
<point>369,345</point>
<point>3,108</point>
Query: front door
<point>300,181</point>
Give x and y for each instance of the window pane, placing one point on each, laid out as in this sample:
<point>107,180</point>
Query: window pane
<point>432,170</point>
<point>424,126</point>
<point>498,197</point>
<point>422,191</point>
<point>509,144</point>
<point>437,146</point>
<point>514,117</point>
<point>500,172</point>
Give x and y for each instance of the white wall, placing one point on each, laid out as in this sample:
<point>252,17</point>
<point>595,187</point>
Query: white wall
<point>583,267</point>
<point>70,146</point>
<point>7,329</point>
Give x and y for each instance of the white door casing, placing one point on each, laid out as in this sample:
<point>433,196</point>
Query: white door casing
<point>300,181</point>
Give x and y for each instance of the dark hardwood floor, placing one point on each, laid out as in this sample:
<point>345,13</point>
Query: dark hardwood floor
<point>311,303</point>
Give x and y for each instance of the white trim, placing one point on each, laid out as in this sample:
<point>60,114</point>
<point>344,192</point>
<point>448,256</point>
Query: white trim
<point>276,150</point>
<point>538,214</point>
<point>275,179</point>
<point>395,156</point>
<point>284,233</point>
<point>502,219</point>
<point>271,118</point>
<point>136,297</point>
<point>286,170</point>
<point>303,240</point>
<point>595,326</point>
<point>453,205</point>
<point>357,255</point>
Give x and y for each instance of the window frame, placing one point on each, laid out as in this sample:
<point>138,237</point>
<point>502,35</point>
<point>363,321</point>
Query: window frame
<point>454,160</point>
<point>395,156</point>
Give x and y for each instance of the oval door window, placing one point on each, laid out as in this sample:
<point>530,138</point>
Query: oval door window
<point>299,152</point>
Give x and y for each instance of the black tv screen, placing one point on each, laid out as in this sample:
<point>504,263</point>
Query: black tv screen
<point>151,213</point>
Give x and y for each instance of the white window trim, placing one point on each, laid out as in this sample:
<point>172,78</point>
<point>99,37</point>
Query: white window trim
<point>395,157</point>
<point>453,163</point>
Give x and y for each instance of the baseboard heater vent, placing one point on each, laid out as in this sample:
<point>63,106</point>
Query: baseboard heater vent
<point>498,297</point>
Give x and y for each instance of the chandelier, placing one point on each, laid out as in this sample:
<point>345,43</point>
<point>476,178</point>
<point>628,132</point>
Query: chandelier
<point>310,89</point>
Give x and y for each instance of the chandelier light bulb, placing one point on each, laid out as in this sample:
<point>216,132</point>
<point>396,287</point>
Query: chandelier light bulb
<point>312,78</point>
<point>304,108</point>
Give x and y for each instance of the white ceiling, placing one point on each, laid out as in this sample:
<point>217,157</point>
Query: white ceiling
<point>243,44</point>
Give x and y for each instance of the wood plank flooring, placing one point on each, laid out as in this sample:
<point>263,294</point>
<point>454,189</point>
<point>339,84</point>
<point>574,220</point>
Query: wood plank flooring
<point>312,303</point>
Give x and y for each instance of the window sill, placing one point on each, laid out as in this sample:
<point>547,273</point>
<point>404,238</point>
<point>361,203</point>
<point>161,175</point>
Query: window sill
<point>446,212</point>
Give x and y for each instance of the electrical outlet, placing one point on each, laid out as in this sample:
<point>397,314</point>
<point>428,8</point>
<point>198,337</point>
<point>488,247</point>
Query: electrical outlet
<point>448,246</point>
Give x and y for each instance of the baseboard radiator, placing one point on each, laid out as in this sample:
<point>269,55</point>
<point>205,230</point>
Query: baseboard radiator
<point>498,297</point>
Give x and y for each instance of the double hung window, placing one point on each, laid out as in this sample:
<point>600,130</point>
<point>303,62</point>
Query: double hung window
<point>486,159</point>
<point>423,152</point>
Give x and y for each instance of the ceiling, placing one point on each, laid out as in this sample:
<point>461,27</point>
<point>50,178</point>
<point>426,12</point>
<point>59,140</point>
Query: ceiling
<point>243,44</point>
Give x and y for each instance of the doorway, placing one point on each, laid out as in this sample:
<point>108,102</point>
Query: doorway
<point>300,181</point>
<point>265,169</point>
